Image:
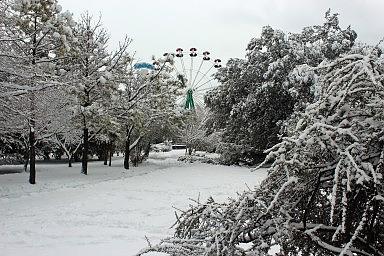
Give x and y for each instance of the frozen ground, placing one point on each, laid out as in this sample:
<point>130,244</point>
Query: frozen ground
<point>110,211</point>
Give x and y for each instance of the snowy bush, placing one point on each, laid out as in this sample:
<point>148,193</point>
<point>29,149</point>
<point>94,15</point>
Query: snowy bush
<point>231,153</point>
<point>324,191</point>
<point>200,156</point>
<point>162,147</point>
<point>11,159</point>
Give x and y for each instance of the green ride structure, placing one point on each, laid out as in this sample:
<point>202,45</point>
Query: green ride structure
<point>189,104</point>
<point>195,72</point>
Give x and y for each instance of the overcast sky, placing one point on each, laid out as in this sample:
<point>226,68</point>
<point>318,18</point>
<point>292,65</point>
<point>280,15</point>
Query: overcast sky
<point>223,27</point>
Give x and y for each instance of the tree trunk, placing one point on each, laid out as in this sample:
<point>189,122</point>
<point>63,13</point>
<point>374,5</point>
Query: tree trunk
<point>147,149</point>
<point>84,163</point>
<point>32,154</point>
<point>127,149</point>
<point>135,158</point>
<point>110,154</point>
<point>126,152</point>
<point>70,161</point>
<point>76,157</point>
<point>105,153</point>
<point>140,157</point>
<point>46,155</point>
<point>26,159</point>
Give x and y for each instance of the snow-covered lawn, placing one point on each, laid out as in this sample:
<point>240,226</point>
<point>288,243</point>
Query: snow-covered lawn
<point>110,211</point>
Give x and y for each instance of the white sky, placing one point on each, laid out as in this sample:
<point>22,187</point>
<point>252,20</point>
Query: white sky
<point>223,27</point>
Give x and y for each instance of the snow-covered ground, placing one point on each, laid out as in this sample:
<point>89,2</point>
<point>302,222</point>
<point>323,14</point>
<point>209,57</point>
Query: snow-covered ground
<point>110,211</point>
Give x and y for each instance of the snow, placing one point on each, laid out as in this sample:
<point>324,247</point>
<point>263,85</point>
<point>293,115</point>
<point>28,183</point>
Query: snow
<point>102,80</point>
<point>56,35</point>
<point>110,211</point>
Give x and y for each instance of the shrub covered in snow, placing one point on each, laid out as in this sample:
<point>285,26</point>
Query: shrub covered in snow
<point>11,159</point>
<point>202,157</point>
<point>161,147</point>
<point>231,153</point>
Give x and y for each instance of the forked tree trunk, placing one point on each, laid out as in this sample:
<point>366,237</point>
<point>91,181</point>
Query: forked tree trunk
<point>84,162</point>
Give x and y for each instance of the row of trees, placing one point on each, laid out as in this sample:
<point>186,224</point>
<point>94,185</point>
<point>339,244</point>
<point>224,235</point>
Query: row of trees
<point>61,88</point>
<point>324,192</point>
